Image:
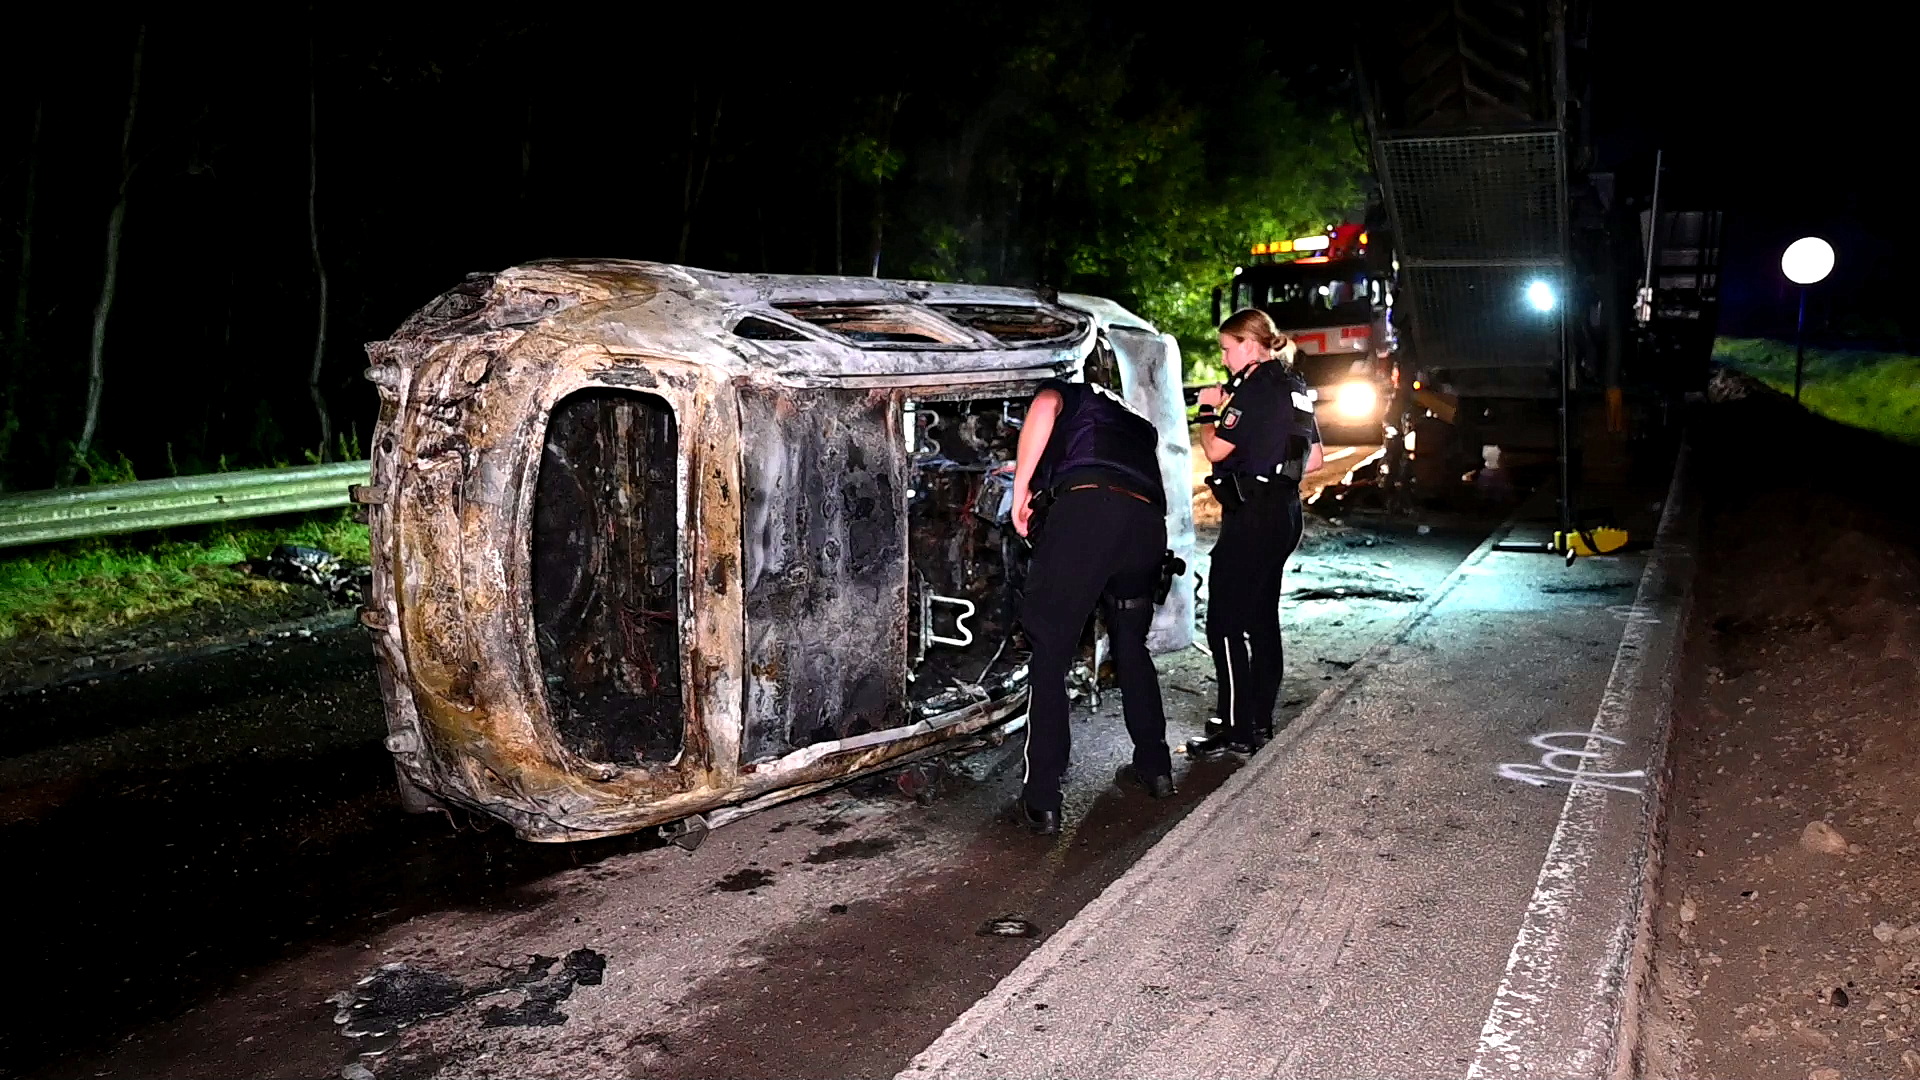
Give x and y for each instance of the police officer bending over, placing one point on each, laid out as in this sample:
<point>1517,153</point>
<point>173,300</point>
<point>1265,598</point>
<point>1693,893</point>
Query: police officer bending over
<point>1087,491</point>
<point>1261,436</point>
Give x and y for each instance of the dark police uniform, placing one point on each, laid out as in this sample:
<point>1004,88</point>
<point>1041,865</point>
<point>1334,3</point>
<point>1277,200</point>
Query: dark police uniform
<point>1268,419</point>
<point>1099,532</point>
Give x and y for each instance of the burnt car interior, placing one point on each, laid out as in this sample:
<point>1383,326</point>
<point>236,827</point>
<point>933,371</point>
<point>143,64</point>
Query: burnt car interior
<point>606,589</point>
<point>966,564</point>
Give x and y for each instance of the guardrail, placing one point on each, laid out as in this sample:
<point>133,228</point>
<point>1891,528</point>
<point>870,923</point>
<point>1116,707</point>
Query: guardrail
<point>39,517</point>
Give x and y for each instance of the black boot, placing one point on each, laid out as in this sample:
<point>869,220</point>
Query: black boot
<point>1044,822</point>
<point>1157,787</point>
<point>1217,727</point>
<point>1228,741</point>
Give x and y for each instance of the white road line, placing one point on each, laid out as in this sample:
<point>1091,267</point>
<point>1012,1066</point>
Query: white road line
<point>1505,1048</point>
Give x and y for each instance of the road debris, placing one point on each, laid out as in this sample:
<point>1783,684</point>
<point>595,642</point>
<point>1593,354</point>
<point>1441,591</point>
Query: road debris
<point>401,995</point>
<point>1008,926</point>
<point>343,581</point>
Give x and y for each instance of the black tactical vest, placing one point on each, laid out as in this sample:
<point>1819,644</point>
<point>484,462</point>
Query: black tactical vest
<point>1098,432</point>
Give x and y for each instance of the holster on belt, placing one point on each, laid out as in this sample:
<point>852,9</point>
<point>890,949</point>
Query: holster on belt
<point>1171,566</point>
<point>1039,503</point>
<point>1227,490</point>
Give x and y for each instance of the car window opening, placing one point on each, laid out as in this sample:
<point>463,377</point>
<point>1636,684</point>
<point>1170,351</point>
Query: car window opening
<point>878,323</point>
<point>606,581</point>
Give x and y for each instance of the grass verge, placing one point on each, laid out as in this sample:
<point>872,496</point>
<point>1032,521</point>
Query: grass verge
<point>1872,390</point>
<point>91,586</point>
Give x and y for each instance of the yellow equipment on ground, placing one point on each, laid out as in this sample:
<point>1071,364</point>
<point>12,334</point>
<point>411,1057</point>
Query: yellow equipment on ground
<point>1599,541</point>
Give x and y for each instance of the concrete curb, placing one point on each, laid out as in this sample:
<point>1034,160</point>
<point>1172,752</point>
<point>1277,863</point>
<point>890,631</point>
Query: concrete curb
<point>1194,828</point>
<point>1577,974</point>
<point>132,659</point>
<point>1627,1053</point>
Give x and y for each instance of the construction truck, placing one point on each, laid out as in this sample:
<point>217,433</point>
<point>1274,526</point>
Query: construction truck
<point>1533,324</point>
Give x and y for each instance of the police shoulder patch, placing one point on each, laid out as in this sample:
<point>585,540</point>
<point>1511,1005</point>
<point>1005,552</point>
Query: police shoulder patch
<point>1230,418</point>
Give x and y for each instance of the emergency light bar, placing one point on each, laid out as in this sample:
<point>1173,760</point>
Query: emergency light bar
<point>1302,244</point>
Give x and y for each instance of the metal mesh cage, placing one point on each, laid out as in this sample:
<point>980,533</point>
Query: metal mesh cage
<point>1478,198</point>
<point>1481,316</point>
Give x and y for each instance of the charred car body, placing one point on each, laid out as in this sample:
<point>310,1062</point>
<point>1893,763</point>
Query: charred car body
<point>656,545</point>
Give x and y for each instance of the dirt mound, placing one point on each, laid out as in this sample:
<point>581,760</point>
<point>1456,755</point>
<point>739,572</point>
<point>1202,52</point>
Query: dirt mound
<point>1788,936</point>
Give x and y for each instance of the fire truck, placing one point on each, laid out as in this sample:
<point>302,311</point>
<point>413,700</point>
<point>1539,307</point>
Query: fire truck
<point>1336,304</point>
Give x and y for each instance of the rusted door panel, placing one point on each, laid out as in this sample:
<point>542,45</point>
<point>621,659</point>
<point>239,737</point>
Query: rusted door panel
<point>825,546</point>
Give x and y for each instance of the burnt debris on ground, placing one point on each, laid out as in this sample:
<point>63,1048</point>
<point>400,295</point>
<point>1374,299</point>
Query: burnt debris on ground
<point>326,589</point>
<point>344,582</point>
<point>400,995</point>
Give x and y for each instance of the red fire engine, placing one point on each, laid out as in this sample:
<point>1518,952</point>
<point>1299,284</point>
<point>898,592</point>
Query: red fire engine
<point>1324,294</point>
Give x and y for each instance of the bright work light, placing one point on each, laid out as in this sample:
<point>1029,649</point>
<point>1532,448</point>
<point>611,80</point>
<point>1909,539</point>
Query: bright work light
<point>1540,295</point>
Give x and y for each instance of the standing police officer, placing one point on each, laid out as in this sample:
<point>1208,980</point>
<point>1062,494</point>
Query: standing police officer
<point>1261,436</point>
<point>1087,491</point>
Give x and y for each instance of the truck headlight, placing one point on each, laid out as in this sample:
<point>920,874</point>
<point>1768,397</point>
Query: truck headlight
<point>1356,400</point>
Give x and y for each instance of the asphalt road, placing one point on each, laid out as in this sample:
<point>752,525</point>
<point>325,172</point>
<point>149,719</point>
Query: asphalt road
<point>206,852</point>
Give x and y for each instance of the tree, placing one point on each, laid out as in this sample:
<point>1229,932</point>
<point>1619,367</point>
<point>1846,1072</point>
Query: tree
<point>866,155</point>
<point>10,418</point>
<point>96,356</point>
<point>319,266</point>
<point>701,139</point>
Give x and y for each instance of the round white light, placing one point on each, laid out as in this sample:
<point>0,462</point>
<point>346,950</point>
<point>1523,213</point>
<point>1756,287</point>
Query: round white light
<point>1355,400</point>
<point>1540,295</point>
<point>1807,260</point>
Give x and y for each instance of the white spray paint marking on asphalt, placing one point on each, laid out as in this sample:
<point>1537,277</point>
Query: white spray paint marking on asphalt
<point>1549,770</point>
<point>1505,1048</point>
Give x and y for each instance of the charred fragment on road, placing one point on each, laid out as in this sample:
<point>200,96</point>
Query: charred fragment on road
<point>401,995</point>
<point>865,847</point>
<point>744,880</point>
<point>540,1003</point>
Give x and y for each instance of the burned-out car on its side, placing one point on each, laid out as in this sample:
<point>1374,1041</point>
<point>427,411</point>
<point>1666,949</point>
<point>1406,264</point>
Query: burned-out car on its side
<point>656,545</point>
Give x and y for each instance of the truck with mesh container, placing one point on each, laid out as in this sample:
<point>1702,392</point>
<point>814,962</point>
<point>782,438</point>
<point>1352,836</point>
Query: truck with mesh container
<point>1517,261</point>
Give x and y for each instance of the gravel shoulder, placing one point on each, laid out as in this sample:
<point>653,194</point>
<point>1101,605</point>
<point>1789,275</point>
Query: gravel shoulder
<point>1788,927</point>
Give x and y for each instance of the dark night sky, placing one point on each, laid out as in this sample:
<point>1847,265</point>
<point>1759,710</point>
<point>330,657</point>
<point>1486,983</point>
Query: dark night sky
<point>452,141</point>
<point>1795,123</point>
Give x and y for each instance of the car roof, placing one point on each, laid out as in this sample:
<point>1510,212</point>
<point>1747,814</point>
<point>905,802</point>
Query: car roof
<point>788,324</point>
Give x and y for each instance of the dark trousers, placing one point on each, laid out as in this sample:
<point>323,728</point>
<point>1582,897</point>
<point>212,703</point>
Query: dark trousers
<point>1243,603</point>
<point>1092,544</point>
